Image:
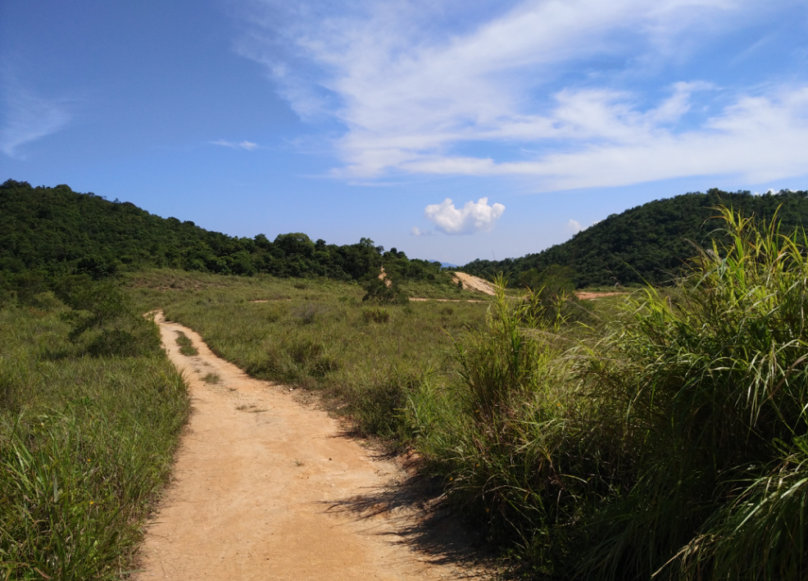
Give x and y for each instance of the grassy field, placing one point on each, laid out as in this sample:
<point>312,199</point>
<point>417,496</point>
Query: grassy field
<point>320,335</point>
<point>90,415</point>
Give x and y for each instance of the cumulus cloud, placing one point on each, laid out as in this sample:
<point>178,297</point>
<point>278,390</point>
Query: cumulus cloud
<point>574,226</point>
<point>248,145</point>
<point>413,83</point>
<point>416,231</point>
<point>28,117</point>
<point>472,218</point>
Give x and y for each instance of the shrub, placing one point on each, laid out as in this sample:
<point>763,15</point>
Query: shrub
<point>675,447</point>
<point>379,291</point>
<point>375,315</point>
<point>712,381</point>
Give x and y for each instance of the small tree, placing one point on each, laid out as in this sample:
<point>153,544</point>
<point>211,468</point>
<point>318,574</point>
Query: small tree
<point>378,291</point>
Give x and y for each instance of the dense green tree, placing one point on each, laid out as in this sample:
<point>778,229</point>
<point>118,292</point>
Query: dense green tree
<point>49,233</point>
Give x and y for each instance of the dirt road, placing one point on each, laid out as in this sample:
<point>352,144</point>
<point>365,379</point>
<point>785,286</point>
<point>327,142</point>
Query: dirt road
<point>266,488</point>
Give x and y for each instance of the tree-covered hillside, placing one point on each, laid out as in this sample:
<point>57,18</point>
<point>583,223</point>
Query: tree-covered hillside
<point>648,243</point>
<point>47,232</point>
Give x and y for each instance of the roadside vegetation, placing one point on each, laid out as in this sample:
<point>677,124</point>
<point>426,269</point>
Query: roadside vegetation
<point>662,436</point>
<point>90,415</point>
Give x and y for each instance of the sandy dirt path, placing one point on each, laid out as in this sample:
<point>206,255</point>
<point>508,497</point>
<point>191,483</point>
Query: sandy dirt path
<point>267,488</point>
<point>424,300</point>
<point>594,295</point>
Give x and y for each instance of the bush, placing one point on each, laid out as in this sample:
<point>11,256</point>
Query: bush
<point>375,315</point>
<point>715,391</point>
<point>675,447</point>
<point>379,291</point>
<point>103,317</point>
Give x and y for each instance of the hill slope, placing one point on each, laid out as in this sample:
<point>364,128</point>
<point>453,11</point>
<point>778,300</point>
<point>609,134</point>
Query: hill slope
<point>647,243</point>
<point>55,231</point>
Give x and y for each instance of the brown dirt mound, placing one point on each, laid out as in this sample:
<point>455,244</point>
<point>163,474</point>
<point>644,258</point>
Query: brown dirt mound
<point>474,283</point>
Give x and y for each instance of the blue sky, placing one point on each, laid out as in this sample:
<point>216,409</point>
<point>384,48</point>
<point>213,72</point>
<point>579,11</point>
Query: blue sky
<point>450,130</point>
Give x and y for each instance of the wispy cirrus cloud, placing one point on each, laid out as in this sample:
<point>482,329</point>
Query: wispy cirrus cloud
<point>28,117</point>
<point>536,89</point>
<point>246,145</point>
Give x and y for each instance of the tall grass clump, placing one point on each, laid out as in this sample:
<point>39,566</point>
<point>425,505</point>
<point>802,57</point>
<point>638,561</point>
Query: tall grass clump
<point>671,445</point>
<point>713,384</point>
<point>508,439</point>
<point>87,437</point>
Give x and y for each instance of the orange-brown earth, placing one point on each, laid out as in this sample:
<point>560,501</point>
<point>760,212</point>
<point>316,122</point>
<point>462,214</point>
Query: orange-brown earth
<point>265,487</point>
<point>592,295</point>
<point>474,283</point>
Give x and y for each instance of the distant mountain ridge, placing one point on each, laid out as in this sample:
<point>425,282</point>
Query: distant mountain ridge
<point>648,243</point>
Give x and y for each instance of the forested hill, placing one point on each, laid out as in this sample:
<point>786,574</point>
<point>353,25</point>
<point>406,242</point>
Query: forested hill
<point>647,243</point>
<point>56,231</point>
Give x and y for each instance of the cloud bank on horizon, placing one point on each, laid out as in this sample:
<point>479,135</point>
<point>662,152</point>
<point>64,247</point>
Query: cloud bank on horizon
<point>565,94</point>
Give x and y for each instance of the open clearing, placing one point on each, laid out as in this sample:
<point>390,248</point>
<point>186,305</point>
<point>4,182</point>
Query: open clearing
<point>266,488</point>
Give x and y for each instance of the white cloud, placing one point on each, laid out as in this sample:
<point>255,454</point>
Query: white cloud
<point>416,231</point>
<point>28,117</point>
<point>473,217</point>
<point>574,226</point>
<point>410,94</point>
<point>248,145</point>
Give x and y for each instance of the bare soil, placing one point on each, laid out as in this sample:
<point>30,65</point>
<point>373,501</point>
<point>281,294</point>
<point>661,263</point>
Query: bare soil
<point>474,283</point>
<point>423,300</point>
<point>265,487</point>
<point>592,295</point>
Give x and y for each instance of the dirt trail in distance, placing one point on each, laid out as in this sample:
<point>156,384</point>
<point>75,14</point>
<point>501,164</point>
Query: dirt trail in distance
<point>267,488</point>
<point>594,295</point>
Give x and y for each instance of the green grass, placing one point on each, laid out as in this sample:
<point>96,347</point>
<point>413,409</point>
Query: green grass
<point>86,441</point>
<point>212,378</point>
<point>668,444</point>
<point>186,346</point>
<point>319,335</point>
